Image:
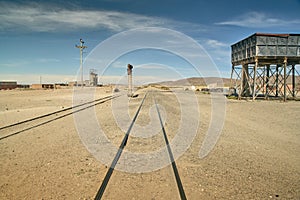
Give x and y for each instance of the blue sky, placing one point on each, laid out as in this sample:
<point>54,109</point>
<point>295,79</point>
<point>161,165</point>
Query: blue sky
<point>38,37</point>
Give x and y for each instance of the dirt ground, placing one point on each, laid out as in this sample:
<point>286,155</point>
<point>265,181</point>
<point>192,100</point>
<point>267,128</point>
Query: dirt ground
<point>256,156</point>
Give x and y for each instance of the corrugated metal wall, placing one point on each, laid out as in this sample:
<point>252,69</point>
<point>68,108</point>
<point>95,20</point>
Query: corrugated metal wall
<point>266,45</point>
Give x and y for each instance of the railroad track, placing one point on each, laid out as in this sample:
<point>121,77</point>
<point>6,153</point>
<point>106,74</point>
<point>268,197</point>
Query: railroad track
<point>47,117</point>
<point>110,171</point>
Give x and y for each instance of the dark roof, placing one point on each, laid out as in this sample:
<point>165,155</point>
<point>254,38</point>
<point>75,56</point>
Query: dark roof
<point>269,34</point>
<point>273,34</point>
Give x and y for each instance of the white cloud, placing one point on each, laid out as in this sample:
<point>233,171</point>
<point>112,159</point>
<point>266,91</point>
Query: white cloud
<point>47,60</point>
<point>39,18</point>
<point>151,66</point>
<point>259,20</point>
<point>43,18</point>
<point>14,64</point>
<point>218,51</point>
<point>118,64</point>
<point>215,43</point>
<point>20,63</point>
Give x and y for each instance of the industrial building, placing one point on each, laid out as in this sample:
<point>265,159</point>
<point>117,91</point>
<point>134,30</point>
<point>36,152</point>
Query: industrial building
<point>93,77</point>
<point>265,65</point>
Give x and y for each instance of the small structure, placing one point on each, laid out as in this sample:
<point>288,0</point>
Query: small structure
<point>60,85</point>
<point>8,85</point>
<point>129,73</point>
<point>93,77</point>
<point>23,86</point>
<point>265,65</point>
<point>72,83</point>
<point>42,86</point>
<point>86,83</point>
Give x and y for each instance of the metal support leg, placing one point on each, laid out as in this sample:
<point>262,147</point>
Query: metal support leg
<point>231,76</point>
<point>284,79</point>
<point>276,80</point>
<point>242,82</point>
<point>267,82</point>
<point>293,80</point>
<point>246,83</point>
<point>254,80</point>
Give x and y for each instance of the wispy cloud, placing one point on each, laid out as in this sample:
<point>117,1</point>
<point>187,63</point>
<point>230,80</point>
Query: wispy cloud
<point>44,18</point>
<point>151,66</point>
<point>259,20</point>
<point>47,60</point>
<point>14,64</point>
<point>218,51</point>
<point>40,18</point>
<point>215,43</point>
<point>118,64</point>
<point>20,63</point>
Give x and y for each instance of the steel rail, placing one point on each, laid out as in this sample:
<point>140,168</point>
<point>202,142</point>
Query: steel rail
<point>118,155</point>
<point>53,113</point>
<point>99,101</point>
<point>175,170</point>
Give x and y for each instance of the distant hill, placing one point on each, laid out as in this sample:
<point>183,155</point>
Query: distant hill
<point>197,81</point>
<point>200,81</point>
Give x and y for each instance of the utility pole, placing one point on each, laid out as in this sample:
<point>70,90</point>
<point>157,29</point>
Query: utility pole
<point>81,47</point>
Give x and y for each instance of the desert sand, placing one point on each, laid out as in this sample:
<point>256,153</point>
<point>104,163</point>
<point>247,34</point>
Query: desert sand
<point>256,156</point>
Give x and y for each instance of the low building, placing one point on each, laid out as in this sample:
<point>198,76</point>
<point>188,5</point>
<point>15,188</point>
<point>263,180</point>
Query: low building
<point>60,85</point>
<point>8,85</point>
<point>23,86</point>
<point>42,86</point>
<point>72,83</point>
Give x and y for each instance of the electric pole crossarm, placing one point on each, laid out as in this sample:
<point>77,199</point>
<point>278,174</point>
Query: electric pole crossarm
<point>81,47</point>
